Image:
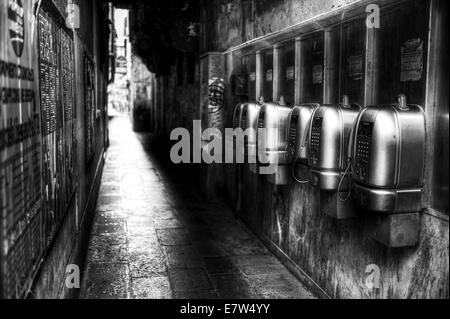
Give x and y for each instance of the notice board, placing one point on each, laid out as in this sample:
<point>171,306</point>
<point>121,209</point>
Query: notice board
<point>59,134</point>
<point>21,245</point>
<point>90,108</point>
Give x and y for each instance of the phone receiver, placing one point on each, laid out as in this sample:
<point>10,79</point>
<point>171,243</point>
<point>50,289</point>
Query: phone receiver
<point>303,146</point>
<point>345,103</point>
<point>305,139</point>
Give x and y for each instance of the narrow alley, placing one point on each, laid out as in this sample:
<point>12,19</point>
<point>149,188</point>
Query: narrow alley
<point>155,238</point>
<point>224,149</point>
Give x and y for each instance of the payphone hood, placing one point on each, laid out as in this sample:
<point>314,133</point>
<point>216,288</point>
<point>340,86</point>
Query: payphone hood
<point>328,135</point>
<point>388,146</point>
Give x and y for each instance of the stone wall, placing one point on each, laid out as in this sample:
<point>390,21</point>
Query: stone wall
<point>71,241</point>
<point>331,256</point>
<point>142,83</point>
<point>71,140</point>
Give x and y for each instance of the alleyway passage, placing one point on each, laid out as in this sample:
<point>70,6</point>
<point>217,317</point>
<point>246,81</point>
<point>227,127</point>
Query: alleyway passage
<point>155,238</point>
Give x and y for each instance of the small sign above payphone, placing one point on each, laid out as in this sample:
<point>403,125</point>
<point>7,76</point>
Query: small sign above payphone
<point>411,60</point>
<point>290,73</point>
<point>269,75</point>
<point>355,67</point>
<point>317,74</point>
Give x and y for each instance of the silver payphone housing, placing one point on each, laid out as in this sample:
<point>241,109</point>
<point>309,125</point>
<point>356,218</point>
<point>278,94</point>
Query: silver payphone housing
<point>237,115</point>
<point>274,119</point>
<point>249,120</point>
<point>328,137</point>
<point>299,121</point>
<point>388,152</point>
<point>329,134</point>
<point>237,119</point>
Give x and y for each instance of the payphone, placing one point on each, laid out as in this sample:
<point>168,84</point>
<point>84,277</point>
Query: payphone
<point>329,134</point>
<point>299,120</point>
<point>237,115</point>
<point>274,119</point>
<point>388,154</point>
<point>249,120</point>
<point>237,118</point>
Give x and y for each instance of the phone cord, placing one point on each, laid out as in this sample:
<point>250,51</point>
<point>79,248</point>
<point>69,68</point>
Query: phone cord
<point>344,199</point>
<point>293,171</point>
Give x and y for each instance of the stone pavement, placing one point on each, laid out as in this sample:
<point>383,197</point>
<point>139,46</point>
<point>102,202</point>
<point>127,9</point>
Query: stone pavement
<point>155,238</point>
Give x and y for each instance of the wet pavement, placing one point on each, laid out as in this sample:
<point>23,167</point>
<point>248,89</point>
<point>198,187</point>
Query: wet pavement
<point>154,237</point>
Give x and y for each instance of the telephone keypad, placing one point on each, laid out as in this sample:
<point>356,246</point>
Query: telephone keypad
<point>236,119</point>
<point>261,118</point>
<point>363,145</point>
<point>293,131</point>
<point>244,120</point>
<point>315,139</point>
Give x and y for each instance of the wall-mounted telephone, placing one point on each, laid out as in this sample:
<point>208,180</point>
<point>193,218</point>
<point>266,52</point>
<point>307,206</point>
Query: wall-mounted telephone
<point>299,121</point>
<point>237,119</point>
<point>244,118</point>
<point>274,118</point>
<point>249,119</point>
<point>329,134</point>
<point>388,151</point>
<point>237,115</point>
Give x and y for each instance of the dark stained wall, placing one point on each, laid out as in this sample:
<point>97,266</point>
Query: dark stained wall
<point>330,256</point>
<point>71,101</point>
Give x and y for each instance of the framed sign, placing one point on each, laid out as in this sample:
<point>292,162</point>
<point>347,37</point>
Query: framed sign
<point>90,108</point>
<point>239,84</point>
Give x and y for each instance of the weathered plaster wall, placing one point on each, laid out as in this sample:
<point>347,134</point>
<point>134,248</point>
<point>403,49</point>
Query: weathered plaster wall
<point>230,17</point>
<point>142,83</point>
<point>326,253</point>
<point>177,104</point>
<point>70,243</point>
<point>232,22</point>
<point>335,254</point>
<point>331,256</point>
<point>275,15</point>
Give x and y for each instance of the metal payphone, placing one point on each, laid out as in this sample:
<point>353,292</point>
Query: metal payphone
<point>237,115</point>
<point>237,118</point>
<point>388,154</point>
<point>329,134</point>
<point>299,121</point>
<point>274,119</point>
<point>249,120</point>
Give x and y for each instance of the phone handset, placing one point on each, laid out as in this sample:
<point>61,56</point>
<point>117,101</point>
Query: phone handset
<point>261,100</point>
<point>346,104</point>
<point>303,148</point>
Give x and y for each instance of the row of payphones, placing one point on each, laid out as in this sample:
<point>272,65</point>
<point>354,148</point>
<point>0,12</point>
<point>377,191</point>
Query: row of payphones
<point>372,156</point>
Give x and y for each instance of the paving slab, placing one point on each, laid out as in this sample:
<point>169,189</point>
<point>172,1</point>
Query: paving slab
<point>154,237</point>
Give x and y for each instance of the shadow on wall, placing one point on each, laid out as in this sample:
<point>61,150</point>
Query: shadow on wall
<point>141,118</point>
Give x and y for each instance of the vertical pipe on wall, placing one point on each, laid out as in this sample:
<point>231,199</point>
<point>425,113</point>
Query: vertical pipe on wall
<point>276,73</point>
<point>371,75</point>
<point>259,77</point>
<point>77,61</point>
<point>433,94</point>
<point>298,69</point>
<point>328,76</point>
<point>331,67</point>
<point>228,74</point>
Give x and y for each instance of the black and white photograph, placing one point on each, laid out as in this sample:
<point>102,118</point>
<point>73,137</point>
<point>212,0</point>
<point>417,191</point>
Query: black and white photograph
<point>224,158</point>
